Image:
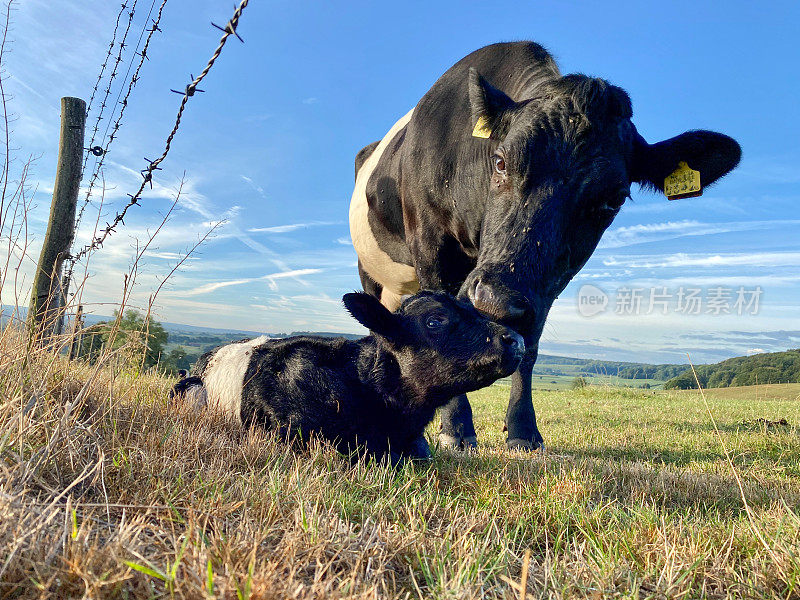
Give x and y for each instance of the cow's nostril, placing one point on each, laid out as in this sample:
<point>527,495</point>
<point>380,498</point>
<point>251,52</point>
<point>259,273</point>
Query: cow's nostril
<point>496,304</point>
<point>482,293</point>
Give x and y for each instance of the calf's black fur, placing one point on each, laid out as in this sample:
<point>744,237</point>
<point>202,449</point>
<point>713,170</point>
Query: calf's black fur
<point>376,394</point>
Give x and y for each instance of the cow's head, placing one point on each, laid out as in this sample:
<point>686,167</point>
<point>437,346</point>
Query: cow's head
<point>563,164</point>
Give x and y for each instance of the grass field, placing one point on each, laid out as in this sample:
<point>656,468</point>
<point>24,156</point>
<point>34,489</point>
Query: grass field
<point>555,376</point>
<point>554,382</point>
<point>756,393</point>
<point>107,491</point>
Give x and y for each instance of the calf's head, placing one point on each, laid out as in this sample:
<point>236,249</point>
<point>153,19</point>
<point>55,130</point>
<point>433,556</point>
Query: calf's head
<point>443,346</point>
<point>559,166</point>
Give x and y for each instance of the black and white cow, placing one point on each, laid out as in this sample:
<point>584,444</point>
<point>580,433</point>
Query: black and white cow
<point>497,186</point>
<point>377,393</point>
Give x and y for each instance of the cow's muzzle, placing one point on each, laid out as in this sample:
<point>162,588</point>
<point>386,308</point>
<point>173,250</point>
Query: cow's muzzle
<point>497,301</point>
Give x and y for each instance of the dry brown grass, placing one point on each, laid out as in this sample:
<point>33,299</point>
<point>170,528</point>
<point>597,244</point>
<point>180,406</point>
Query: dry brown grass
<point>107,491</point>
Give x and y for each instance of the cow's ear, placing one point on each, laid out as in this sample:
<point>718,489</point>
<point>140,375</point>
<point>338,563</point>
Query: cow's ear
<point>488,105</point>
<point>368,310</point>
<point>712,154</point>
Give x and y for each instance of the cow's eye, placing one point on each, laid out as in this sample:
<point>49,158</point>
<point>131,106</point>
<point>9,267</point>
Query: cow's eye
<point>500,165</point>
<point>435,322</point>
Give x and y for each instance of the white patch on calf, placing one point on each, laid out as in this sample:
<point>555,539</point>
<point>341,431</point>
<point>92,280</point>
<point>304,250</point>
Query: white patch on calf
<point>196,397</point>
<point>223,377</point>
<point>396,279</point>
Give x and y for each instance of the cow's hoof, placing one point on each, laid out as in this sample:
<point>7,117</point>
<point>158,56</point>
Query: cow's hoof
<point>458,443</point>
<point>524,445</point>
<point>419,449</point>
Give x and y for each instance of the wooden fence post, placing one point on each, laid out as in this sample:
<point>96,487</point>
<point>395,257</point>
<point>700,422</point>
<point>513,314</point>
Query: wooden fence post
<point>77,334</point>
<point>46,297</point>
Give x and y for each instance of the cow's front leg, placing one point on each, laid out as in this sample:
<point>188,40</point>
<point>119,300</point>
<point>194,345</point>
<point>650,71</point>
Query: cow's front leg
<point>442,265</point>
<point>523,434</point>
<point>419,449</point>
<point>458,430</point>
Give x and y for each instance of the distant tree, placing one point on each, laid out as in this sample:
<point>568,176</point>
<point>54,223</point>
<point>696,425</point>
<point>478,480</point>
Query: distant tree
<point>774,367</point>
<point>92,341</point>
<point>137,334</point>
<point>177,359</point>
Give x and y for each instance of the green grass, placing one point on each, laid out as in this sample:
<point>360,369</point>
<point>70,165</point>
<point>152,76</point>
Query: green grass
<point>754,393</point>
<point>656,426</point>
<point>127,496</point>
<point>550,382</point>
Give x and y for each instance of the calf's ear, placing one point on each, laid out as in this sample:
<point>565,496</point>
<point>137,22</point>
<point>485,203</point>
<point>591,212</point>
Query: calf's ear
<point>487,105</point>
<point>713,154</point>
<point>368,310</point>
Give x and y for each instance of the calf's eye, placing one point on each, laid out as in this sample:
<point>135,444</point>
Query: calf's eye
<point>434,322</point>
<point>500,165</point>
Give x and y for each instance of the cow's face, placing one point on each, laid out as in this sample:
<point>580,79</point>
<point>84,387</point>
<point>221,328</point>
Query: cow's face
<point>560,167</point>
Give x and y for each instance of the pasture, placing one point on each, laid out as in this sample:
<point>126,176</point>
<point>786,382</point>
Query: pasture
<point>106,491</point>
<point>500,181</point>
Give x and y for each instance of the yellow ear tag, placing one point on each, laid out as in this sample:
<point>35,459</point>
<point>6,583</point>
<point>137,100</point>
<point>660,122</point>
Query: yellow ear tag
<point>482,128</point>
<point>683,182</point>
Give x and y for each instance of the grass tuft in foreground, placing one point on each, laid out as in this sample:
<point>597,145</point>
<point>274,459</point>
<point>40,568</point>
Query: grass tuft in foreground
<point>108,491</point>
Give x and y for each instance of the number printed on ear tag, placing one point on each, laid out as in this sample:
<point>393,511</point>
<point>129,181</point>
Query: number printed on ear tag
<point>683,182</point>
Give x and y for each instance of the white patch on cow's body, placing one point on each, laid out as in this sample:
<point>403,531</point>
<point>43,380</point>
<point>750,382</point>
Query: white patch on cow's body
<point>396,279</point>
<point>223,377</point>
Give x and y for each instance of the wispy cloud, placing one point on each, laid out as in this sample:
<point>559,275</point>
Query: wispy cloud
<point>292,227</point>
<point>771,169</point>
<point>758,259</point>
<point>344,241</point>
<point>253,185</point>
<point>745,279</point>
<point>271,278</point>
<point>170,255</point>
<point>195,201</point>
<point>656,232</point>
<point>311,100</point>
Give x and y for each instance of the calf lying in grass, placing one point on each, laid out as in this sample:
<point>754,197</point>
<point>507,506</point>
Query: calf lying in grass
<point>377,393</point>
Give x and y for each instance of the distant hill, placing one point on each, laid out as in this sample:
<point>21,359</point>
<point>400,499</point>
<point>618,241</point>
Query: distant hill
<point>773,367</point>
<point>625,370</point>
<point>551,372</point>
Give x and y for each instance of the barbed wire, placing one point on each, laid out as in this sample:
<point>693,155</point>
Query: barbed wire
<point>117,61</point>
<point>103,151</point>
<point>147,173</point>
<point>127,72</point>
<point>103,68</point>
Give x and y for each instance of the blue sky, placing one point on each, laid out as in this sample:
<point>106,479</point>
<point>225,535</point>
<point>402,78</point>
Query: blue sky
<point>270,145</point>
